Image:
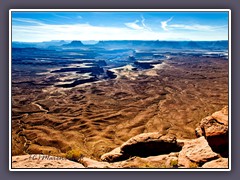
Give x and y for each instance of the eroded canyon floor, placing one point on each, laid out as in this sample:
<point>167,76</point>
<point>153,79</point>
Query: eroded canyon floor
<point>97,117</point>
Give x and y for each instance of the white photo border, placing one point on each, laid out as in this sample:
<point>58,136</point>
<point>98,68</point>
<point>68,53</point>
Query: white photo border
<point>117,10</point>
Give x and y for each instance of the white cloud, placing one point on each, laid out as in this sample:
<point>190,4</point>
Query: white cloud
<point>26,20</point>
<point>37,31</point>
<point>137,26</point>
<point>60,16</point>
<point>195,27</point>
<point>164,24</point>
<point>134,25</point>
<point>144,25</point>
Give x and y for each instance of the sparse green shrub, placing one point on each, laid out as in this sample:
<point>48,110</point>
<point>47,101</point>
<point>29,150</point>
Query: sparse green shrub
<point>163,166</point>
<point>145,165</point>
<point>174,163</point>
<point>152,165</point>
<point>74,155</point>
<point>193,165</point>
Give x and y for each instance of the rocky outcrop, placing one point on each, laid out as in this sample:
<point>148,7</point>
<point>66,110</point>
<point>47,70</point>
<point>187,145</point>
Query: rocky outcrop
<point>143,145</point>
<point>150,144</point>
<point>43,161</point>
<point>215,129</point>
<point>160,161</point>
<point>90,163</point>
<point>195,153</point>
<point>114,155</point>
<point>155,149</point>
<point>218,163</point>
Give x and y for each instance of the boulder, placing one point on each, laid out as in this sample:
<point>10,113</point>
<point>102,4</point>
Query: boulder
<point>195,153</point>
<point>150,144</point>
<point>160,161</point>
<point>215,130</point>
<point>43,161</point>
<point>114,155</point>
<point>168,160</point>
<point>90,163</point>
<point>218,163</point>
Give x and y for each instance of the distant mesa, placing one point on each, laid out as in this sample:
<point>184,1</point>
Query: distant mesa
<point>74,44</point>
<point>101,63</point>
<point>146,64</point>
<point>62,42</point>
<point>131,57</point>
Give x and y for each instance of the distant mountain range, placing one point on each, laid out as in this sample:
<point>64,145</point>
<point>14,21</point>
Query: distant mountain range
<point>167,44</point>
<point>119,44</point>
<point>44,44</point>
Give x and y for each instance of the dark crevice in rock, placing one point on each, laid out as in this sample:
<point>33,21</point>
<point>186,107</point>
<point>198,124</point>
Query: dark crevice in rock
<point>150,148</point>
<point>219,144</point>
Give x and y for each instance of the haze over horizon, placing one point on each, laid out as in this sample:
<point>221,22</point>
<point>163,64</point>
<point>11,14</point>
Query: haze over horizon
<point>90,41</point>
<point>97,26</point>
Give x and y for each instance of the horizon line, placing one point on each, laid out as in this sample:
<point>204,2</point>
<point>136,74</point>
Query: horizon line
<point>123,40</point>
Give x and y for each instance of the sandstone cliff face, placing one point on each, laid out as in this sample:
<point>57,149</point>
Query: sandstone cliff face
<point>195,153</point>
<point>155,150</point>
<point>215,129</point>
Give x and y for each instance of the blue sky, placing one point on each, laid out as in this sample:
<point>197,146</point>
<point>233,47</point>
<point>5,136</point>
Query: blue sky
<point>46,26</point>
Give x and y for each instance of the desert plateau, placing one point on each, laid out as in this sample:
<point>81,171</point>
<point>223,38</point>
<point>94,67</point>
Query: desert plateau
<point>118,104</point>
